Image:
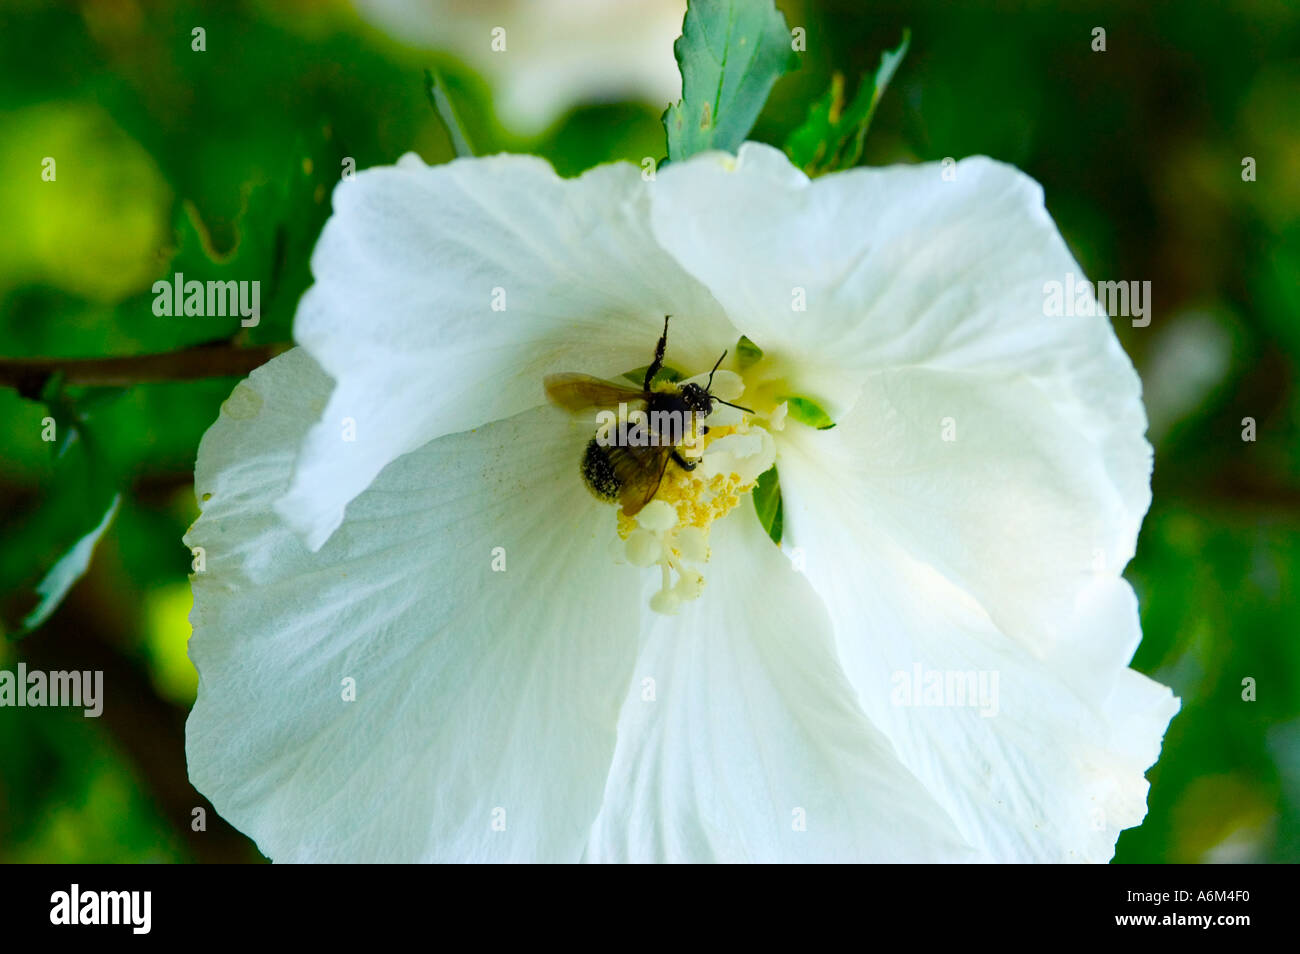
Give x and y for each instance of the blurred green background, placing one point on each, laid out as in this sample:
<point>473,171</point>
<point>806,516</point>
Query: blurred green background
<point>219,164</point>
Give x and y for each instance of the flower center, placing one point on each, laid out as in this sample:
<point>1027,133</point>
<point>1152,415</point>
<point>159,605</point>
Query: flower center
<point>672,530</point>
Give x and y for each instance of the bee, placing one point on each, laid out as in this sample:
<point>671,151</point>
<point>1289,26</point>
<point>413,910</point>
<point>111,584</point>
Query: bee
<point>629,469</point>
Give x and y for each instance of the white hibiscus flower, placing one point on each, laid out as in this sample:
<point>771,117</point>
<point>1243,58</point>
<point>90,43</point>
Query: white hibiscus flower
<point>393,512</point>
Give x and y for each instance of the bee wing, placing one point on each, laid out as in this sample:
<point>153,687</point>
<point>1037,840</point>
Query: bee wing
<point>578,392</point>
<point>640,470</point>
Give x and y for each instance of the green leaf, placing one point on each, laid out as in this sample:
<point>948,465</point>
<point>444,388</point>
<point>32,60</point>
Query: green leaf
<point>69,568</point>
<point>831,137</point>
<point>51,541</point>
<point>747,353</point>
<point>767,504</point>
<point>730,54</point>
<point>807,411</point>
<point>436,89</point>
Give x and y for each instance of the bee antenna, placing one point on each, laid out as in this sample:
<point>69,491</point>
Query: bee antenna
<point>736,406</point>
<point>716,364</point>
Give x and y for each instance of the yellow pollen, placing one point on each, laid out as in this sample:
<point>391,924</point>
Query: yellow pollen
<point>672,530</point>
<point>698,500</point>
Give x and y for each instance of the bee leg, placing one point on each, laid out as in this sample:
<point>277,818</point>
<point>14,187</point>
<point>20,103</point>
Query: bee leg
<point>681,462</point>
<point>658,362</point>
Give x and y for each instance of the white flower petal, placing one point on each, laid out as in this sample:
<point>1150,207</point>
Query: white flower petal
<point>724,416</point>
<point>901,266</point>
<point>741,739</point>
<point>980,477</point>
<point>482,697</point>
<point>996,552</point>
<point>402,313</point>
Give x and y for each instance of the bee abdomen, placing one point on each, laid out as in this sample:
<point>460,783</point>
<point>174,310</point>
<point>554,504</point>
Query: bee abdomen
<point>598,472</point>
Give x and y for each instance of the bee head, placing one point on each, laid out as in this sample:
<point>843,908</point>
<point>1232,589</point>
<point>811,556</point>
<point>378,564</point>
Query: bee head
<point>697,399</point>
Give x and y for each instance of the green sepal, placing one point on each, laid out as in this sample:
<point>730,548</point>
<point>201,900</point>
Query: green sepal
<point>807,411</point>
<point>666,374</point>
<point>747,353</point>
<point>767,504</point>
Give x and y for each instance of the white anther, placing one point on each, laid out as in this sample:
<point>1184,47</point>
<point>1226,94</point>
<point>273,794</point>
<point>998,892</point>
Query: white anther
<point>643,548</point>
<point>657,515</point>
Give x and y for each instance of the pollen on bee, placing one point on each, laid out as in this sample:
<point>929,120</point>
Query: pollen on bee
<point>598,473</point>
